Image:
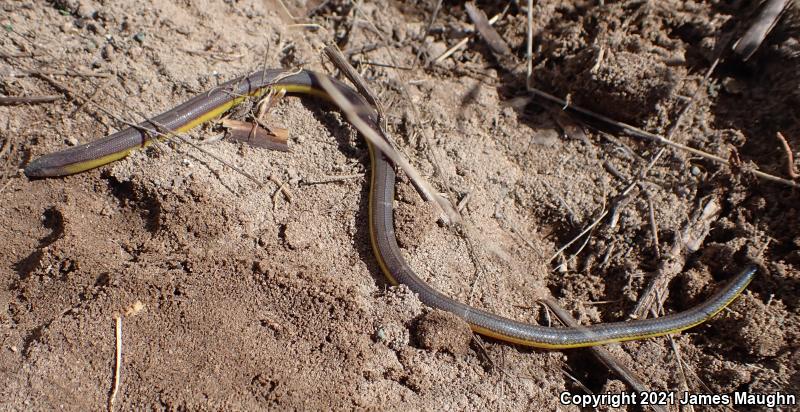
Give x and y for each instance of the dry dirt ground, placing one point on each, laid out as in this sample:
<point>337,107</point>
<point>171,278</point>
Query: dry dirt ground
<point>239,297</point>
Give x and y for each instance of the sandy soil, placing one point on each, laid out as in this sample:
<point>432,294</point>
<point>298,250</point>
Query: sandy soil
<point>240,297</point>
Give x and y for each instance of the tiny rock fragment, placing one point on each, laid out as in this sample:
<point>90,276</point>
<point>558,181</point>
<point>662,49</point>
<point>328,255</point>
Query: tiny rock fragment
<point>134,309</point>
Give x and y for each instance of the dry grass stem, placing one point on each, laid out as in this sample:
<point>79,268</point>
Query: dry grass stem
<point>331,179</point>
<point>653,224</point>
<point>16,100</point>
<point>117,363</point>
<point>337,58</point>
<point>70,73</point>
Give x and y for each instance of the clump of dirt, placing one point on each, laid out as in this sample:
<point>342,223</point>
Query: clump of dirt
<point>443,331</point>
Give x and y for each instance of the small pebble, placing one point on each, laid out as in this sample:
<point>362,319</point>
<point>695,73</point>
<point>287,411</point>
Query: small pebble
<point>733,86</point>
<point>139,37</point>
<point>436,49</point>
<point>72,141</point>
<point>85,10</point>
<point>108,52</point>
<point>546,138</point>
<point>399,34</point>
<point>380,334</point>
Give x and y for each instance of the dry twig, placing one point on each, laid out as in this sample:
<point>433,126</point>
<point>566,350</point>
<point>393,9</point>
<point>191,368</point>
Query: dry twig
<point>337,58</point>
<point>653,224</point>
<point>331,179</point>
<point>90,99</point>
<point>281,189</point>
<point>254,135</point>
<point>5,185</point>
<point>71,73</point>
<point>678,358</point>
<point>117,363</point>
<point>15,100</point>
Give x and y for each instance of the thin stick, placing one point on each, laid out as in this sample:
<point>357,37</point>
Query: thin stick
<point>428,29</point>
<point>674,127</point>
<point>477,339</point>
<point>576,381</point>
<point>15,100</point>
<point>117,364</point>
<point>448,216</point>
<point>583,232</point>
<point>789,157</point>
<point>688,241</point>
<point>331,179</point>
<point>363,49</point>
<point>286,9</point>
<point>215,56</point>
<point>7,55</point>
<point>381,144</point>
<point>281,189</point>
<point>217,158</point>
<point>390,66</point>
<point>653,224</point>
<point>73,73</point>
<point>337,58</point>
<point>463,202</point>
